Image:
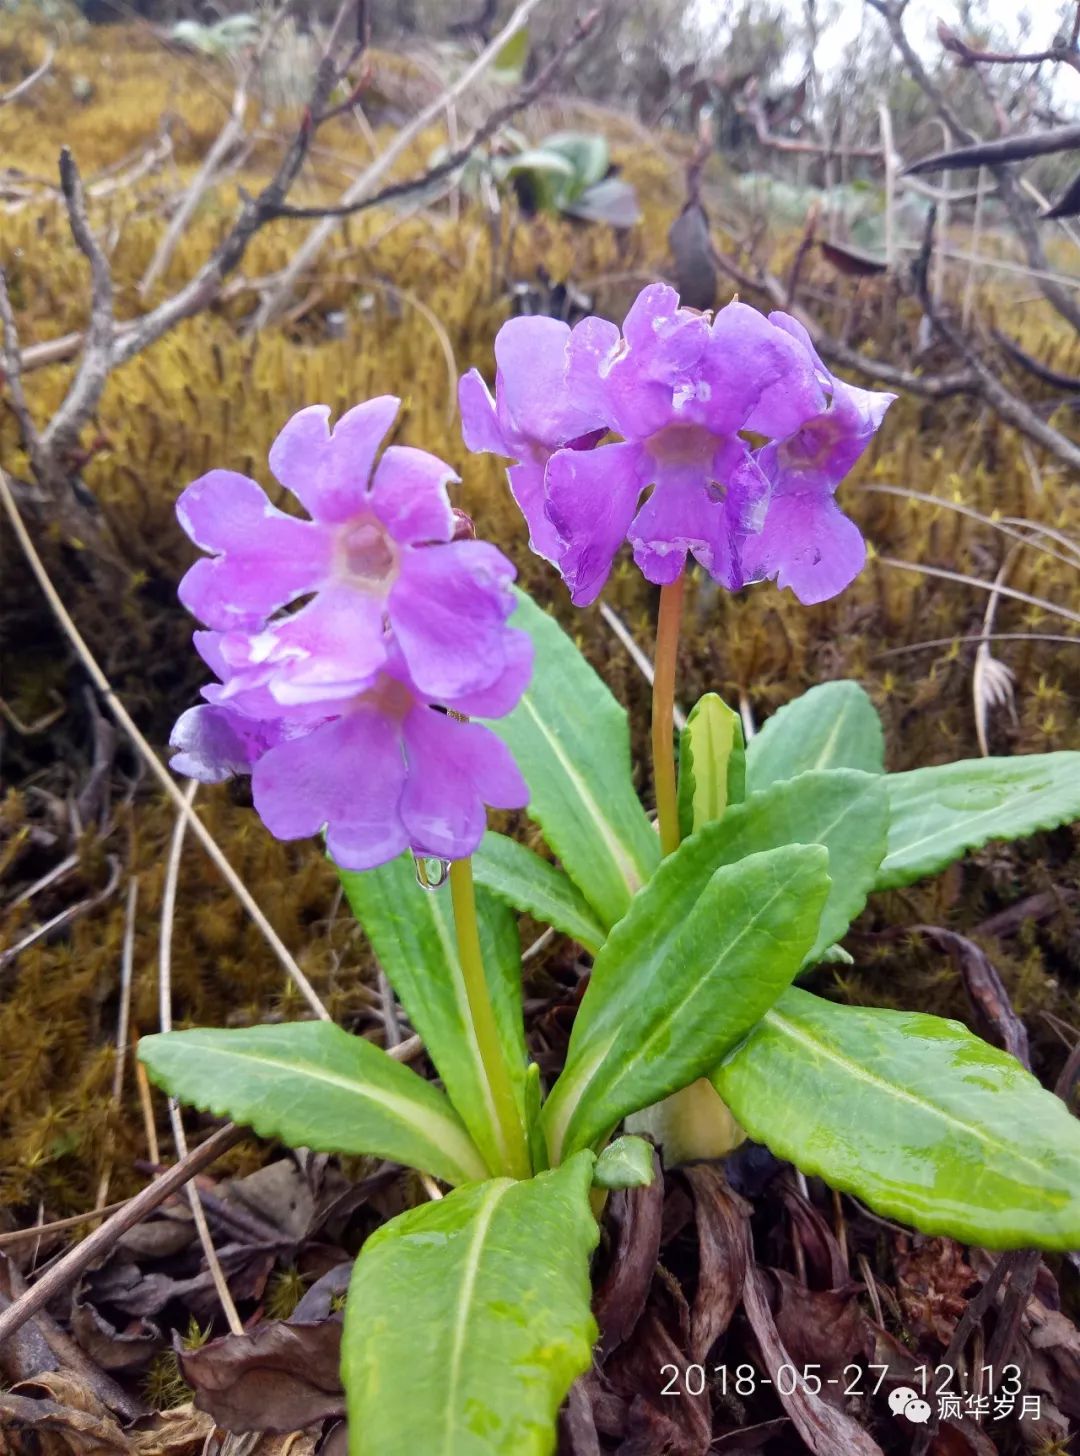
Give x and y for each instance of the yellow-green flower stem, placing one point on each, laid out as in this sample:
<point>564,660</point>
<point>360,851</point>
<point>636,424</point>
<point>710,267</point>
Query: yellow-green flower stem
<point>510,1132</point>
<point>663,713</point>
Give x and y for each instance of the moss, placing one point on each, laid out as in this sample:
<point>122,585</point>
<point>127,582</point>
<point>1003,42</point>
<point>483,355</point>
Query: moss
<point>209,395</point>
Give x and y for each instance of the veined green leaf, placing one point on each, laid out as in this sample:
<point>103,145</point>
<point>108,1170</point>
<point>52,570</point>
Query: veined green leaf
<point>936,814</point>
<point>571,741</point>
<point>834,725</point>
<point>522,879</point>
<point>468,1319</point>
<point>914,1115</point>
<point>310,1084</point>
<point>712,763</point>
<point>843,809</point>
<point>412,933</point>
<point>680,979</point>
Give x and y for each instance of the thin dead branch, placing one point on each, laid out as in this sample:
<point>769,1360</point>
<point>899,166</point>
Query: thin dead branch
<point>29,82</point>
<point>66,1270</point>
<point>1010,190</point>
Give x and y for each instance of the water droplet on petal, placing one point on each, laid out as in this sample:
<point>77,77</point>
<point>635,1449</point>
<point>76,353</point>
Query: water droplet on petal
<point>431,874</point>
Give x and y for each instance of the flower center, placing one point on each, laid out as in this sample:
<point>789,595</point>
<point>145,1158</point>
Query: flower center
<point>808,448</point>
<point>683,445</point>
<point>367,556</point>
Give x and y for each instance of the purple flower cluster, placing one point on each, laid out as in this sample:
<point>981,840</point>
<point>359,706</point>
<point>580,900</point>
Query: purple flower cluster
<point>683,391</point>
<point>350,646</point>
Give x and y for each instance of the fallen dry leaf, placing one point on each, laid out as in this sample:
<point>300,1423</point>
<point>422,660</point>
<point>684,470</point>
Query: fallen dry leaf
<point>635,1215</point>
<point>828,1432</point>
<point>720,1217</point>
<point>281,1377</point>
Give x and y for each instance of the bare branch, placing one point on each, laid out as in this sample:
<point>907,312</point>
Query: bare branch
<point>449,164</point>
<point>967,55</point>
<point>1009,187</point>
<point>28,82</point>
<point>1008,405</point>
<point>317,237</point>
<point>82,397</point>
<point>12,362</point>
<point>67,1269</point>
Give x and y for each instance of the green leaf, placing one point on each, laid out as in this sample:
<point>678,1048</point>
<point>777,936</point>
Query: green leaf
<point>536,159</point>
<point>680,979</point>
<point>936,814</point>
<point>914,1115</point>
<point>412,933</point>
<point>522,879</point>
<point>834,725</point>
<point>586,152</point>
<point>571,741</point>
<point>712,763</point>
<point>468,1319</point>
<point>843,809</point>
<point>509,63</point>
<point>625,1163</point>
<point>310,1084</point>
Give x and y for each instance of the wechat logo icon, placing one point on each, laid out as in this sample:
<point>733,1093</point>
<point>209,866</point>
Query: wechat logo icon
<point>908,1403</point>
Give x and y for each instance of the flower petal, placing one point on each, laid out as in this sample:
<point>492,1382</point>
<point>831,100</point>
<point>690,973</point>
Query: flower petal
<point>448,611</point>
<point>503,695</point>
<point>707,516</point>
<point>329,650</point>
<point>346,775</point>
<point>594,343</point>
<point>807,544</point>
<point>214,744</point>
<point>533,399</point>
<point>329,471</point>
<point>592,497</point>
<point>408,494</point>
<point>268,558</point>
<point>480,426</point>
<point>760,377</point>
<point>527,486</point>
<point>454,769</point>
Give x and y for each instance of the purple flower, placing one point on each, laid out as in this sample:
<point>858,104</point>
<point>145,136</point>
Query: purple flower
<point>380,771</point>
<point>806,542</point>
<point>376,557</point>
<point>350,711</point>
<point>683,391</point>
<point>531,416</point>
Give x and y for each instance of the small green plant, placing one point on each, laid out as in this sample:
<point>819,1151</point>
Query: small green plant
<point>416,684</point>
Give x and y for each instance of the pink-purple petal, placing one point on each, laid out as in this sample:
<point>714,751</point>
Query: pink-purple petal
<point>503,694</point>
<point>409,496</point>
<point>454,769</point>
<point>532,396</point>
<point>448,611</point>
<point>592,497</point>
<point>807,544</point>
<point>331,649</point>
<point>346,776</point>
<point>527,486</point>
<point>480,426</point>
<point>267,558</point>
<point>329,471</point>
<point>214,744</point>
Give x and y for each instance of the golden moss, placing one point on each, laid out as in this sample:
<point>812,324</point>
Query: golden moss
<point>209,395</point>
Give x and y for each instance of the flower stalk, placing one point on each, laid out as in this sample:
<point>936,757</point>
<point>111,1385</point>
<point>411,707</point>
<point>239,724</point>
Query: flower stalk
<point>663,712</point>
<point>511,1133</point>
